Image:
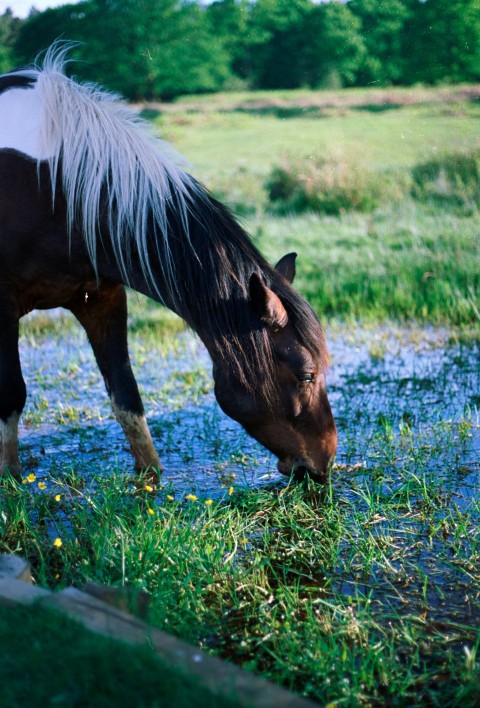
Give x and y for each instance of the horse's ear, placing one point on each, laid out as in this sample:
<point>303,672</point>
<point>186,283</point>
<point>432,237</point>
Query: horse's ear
<point>286,266</point>
<point>267,304</point>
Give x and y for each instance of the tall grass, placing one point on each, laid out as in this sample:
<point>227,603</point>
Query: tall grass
<point>332,187</point>
<point>453,177</point>
<point>336,186</point>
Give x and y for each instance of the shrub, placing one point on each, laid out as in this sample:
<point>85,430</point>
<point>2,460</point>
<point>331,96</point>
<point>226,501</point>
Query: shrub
<point>452,177</point>
<point>242,190</point>
<point>331,186</point>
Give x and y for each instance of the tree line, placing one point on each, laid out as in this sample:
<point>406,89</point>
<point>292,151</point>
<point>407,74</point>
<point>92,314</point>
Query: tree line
<point>158,49</point>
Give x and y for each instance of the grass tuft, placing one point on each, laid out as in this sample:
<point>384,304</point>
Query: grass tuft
<point>331,186</point>
<point>450,178</point>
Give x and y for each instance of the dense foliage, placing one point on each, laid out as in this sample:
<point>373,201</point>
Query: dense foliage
<point>164,48</point>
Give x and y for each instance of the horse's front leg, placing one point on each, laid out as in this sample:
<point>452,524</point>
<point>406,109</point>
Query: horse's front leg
<point>13,392</point>
<point>103,314</point>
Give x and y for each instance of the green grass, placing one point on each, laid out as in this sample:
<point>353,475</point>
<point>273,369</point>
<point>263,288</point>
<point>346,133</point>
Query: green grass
<point>48,659</point>
<point>219,142</point>
<point>405,260</point>
<point>366,592</point>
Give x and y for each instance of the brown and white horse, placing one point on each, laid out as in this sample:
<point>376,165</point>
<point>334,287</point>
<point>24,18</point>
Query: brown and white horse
<point>91,202</point>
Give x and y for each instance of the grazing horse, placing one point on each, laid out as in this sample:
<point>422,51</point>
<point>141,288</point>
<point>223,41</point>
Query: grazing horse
<point>91,202</point>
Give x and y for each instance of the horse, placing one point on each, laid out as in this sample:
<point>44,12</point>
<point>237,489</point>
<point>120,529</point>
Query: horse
<point>92,202</point>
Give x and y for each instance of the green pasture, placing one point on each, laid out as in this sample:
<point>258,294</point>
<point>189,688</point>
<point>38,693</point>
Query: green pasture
<point>363,593</point>
<point>406,259</point>
<point>223,133</point>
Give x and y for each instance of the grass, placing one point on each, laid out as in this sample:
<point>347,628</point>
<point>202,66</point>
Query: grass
<point>255,140</point>
<point>366,592</point>
<point>67,665</point>
<point>407,259</point>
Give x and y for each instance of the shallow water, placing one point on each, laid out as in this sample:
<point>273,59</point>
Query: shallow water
<point>383,385</point>
<point>410,383</point>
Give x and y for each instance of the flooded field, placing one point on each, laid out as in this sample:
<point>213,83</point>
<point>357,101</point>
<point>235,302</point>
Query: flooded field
<point>385,387</point>
<point>382,566</point>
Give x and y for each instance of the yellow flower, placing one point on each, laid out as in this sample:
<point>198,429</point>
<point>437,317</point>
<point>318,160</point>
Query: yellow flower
<point>57,497</point>
<point>31,478</point>
<point>42,485</point>
<point>170,498</point>
<point>208,502</point>
<point>191,497</point>
<point>150,511</point>
<point>58,543</point>
<point>148,488</point>
<point>230,491</point>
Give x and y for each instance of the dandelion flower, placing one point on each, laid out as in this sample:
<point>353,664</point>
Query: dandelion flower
<point>230,491</point>
<point>191,497</point>
<point>170,498</point>
<point>208,502</point>
<point>148,488</point>
<point>57,497</point>
<point>150,511</point>
<point>31,478</point>
<point>58,543</point>
<point>42,485</point>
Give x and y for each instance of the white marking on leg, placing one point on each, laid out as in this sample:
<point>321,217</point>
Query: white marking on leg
<point>9,445</point>
<point>138,435</point>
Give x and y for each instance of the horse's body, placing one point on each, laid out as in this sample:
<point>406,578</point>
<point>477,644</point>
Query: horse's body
<point>89,203</point>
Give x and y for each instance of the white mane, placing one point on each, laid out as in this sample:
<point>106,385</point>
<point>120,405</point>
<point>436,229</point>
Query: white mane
<point>102,143</point>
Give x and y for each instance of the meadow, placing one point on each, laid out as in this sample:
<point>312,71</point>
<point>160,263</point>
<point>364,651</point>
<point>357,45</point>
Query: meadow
<point>362,593</point>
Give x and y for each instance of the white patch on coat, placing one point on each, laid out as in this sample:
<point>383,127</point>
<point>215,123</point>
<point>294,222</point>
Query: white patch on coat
<point>100,141</point>
<point>21,123</point>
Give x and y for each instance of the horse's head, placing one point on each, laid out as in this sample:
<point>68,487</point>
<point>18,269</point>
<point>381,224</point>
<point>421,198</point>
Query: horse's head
<point>294,421</point>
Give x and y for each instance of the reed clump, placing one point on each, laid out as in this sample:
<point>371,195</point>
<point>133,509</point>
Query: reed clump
<point>334,186</point>
<point>452,177</point>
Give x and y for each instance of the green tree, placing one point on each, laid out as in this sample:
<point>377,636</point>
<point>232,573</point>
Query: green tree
<point>333,45</point>
<point>442,41</point>
<point>142,49</point>
<point>9,28</point>
<point>382,28</point>
<point>275,42</point>
<point>229,20</point>
<point>42,28</point>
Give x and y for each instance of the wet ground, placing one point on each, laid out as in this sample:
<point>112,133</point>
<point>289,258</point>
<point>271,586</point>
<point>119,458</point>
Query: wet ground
<point>407,473</point>
<point>383,386</point>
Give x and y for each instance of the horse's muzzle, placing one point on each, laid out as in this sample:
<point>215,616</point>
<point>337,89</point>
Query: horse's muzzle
<point>299,469</point>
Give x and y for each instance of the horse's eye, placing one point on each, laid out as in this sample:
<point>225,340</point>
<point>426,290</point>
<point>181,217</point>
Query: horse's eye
<point>306,378</point>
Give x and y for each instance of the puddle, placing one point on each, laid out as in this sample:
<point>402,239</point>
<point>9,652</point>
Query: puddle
<point>395,386</point>
<point>68,424</point>
<point>381,386</point>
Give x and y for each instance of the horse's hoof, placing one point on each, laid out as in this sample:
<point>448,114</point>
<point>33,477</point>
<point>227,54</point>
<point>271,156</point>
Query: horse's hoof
<point>148,477</point>
<point>15,471</point>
